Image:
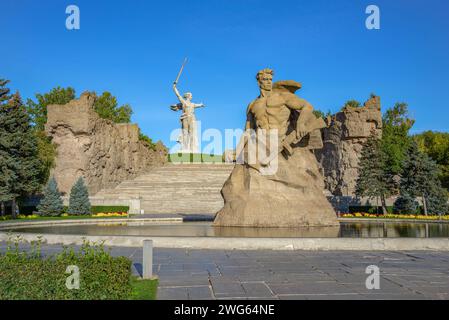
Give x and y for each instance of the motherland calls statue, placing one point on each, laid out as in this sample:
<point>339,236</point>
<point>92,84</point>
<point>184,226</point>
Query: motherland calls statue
<point>188,138</point>
<point>292,195</point>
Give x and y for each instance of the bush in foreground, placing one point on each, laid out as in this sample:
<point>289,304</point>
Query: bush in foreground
<point>28,276</point>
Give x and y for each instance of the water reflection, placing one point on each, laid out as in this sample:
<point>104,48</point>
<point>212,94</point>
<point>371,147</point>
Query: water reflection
<point>205,229</point>
<point>394,230</point>
<point>311,232</point>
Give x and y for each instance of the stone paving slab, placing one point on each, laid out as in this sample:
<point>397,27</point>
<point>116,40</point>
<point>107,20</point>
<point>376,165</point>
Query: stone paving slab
<point>299,275</point>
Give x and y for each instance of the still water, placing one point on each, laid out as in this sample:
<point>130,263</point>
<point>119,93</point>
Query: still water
<point>205,229</point>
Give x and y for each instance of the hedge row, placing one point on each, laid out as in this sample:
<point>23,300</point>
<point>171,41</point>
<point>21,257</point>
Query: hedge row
<point>28,276</point>
<point>109,209</point>
<point>104,209</point>
<point>27,210</point>
<point>374,209</point>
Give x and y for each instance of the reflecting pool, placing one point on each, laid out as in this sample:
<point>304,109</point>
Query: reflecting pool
<point>205,229</point>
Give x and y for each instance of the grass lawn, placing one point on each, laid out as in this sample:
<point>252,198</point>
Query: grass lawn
<point>143,289</point>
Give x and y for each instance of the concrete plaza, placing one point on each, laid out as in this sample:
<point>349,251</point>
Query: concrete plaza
<point>269,274</point>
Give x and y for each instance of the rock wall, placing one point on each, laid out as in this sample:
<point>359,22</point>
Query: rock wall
<point>102,152</point>
<point>343,139</point>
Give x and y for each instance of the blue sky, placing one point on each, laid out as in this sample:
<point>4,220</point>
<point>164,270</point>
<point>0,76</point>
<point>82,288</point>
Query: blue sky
<point>134,50</point>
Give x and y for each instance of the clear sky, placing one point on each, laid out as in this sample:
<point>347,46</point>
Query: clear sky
<point>134,50</point>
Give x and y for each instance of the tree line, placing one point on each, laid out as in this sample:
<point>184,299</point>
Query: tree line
<point>408,166</point>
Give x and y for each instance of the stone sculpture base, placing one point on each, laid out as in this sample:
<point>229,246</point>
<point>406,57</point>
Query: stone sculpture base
<point>293,197</point>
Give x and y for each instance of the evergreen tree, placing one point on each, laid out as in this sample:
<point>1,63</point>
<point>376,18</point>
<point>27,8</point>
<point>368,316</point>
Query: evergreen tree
<point>6,162</point>
<point>18,147</point>
<point>373,181</point>
<point>437,201</point>
<point>79,203</point>
<point>420,179</point>
<point>405,204</point>
<point>51,204</point>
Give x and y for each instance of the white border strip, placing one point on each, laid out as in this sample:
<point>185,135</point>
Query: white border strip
<point>313,244</point>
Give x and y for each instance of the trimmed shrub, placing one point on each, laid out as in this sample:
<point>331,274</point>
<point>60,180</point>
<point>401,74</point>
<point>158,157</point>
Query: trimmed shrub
<point>369,209</point>
<point>109,209</point>
<point>51,204</point>
<point>28,276</point>
<point>406,204</point>
<point>79,199</point>
<point>102,209</point>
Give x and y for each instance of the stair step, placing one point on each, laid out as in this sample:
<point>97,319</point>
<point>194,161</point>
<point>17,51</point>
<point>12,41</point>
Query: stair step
<point>175,188</point>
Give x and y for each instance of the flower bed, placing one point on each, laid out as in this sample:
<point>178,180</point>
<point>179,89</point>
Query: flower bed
<point>67,216</point>
<point>393,216</point>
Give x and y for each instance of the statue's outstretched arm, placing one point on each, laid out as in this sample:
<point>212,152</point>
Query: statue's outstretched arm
<point>199,105</point>
<point>180,98</point>
<point>297,103</point>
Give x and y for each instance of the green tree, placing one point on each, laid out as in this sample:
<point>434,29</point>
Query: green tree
<point>79,203</point>
<point>436,145</point>
<point>51,203</point>
<point>38,112</point>
<point>18,147</point>
<point>107,108</point>
<point>38,109</point>
<point>105,105</point>
<point>420,179</point>
<point>415,174</point>
<point>46,154</point>
<point>395,137</point>
<point>7,175</point>
<point>437,201</point>
<point>373,181</point>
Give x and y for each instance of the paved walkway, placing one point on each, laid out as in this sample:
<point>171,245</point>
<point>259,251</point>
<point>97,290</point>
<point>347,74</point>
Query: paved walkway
<point>219,274</point>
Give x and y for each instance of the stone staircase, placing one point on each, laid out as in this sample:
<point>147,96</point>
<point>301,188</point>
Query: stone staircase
<point>173,189</point>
